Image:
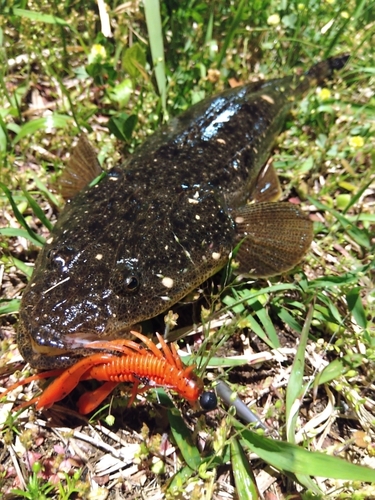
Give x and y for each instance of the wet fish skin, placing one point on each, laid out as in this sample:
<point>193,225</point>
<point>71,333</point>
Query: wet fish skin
<point>155,228</point>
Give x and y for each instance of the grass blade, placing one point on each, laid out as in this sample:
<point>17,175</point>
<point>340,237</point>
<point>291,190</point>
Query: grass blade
<point>297,460</point>
<point>230,34</point>
<point>35,238</point>
<point>48,123</point>
<point>39,17</point>
<point>38,211</point>
<point>9,306</point>
<point>355,305</point>
<point>360,236</point>
<point>154,27</point>
<point>243,475</point>
<point>295,388</point>
<point>184,440</point>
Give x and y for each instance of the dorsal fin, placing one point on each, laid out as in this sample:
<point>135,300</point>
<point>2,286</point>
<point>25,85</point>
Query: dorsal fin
<point>267,187</point>
<point>82,168</point>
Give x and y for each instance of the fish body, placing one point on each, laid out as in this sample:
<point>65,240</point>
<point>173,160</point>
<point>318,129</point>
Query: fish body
<point>150,231</point>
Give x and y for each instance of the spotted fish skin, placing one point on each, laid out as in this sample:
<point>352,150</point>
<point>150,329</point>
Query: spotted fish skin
<point>150,231</point>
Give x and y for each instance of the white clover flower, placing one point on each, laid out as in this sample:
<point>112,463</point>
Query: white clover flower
<point>273,20</point>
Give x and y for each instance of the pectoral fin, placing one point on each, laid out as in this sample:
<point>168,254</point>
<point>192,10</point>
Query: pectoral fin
<point>275,237</point>
<point>82,168</point>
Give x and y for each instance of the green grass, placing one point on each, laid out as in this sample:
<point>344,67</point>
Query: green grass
<point>60,75</point>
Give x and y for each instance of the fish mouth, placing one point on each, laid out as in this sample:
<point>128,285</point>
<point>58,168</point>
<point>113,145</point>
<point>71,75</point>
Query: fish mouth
<point>81,339</point>
<point>48,350</point>
<point>50,341</point>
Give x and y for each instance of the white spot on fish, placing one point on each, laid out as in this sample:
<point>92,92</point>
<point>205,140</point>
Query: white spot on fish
<point>198,217</point>
<point>165,297</point>
<point>167,282</point>
<point>239,220</point>
<point>267,98</point>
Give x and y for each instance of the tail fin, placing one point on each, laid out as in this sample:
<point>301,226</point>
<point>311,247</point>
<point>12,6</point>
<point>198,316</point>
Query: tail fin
<point>324,70</point>
<point>320,72</point>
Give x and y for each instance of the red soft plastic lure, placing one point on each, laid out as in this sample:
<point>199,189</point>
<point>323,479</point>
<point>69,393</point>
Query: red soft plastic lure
<point>124,361</point>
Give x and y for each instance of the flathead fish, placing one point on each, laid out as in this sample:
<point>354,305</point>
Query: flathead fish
<point>148,232</point>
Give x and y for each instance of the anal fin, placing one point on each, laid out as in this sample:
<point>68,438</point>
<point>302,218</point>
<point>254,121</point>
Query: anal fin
<point>275,237</point>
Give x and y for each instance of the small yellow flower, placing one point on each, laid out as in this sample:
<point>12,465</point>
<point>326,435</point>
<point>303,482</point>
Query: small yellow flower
<point>98,50</point>
<point>324,94</point>
<point>97,53</point>
<point>273,20</point>
<point>345,14</point>
<point>356,142</point>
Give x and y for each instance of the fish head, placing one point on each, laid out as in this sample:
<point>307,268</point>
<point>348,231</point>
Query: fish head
<point>113,261</point>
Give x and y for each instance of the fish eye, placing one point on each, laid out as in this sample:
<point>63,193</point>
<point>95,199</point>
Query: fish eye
<point>125,278</point>
<point>208,400</point>
<point>132,283</point>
